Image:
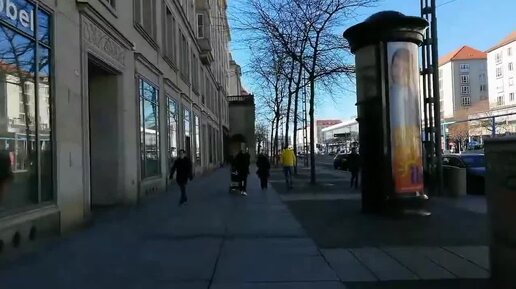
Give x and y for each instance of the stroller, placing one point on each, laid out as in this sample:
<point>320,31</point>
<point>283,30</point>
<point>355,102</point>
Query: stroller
<point>235,180</point>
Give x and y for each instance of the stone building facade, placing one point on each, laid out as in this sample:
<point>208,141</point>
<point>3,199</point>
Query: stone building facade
<point>98,96</point>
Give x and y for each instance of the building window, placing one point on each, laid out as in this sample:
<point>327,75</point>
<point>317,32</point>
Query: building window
<point>482,78</point>
<point>173,118</point>
<point>464,67</point>
<point>464,89</point>
<point>187,121</point>
<point>149,129</point>
<point>500,100</point>
<point>499,72</point>
<point>110,3</point>
<point>464,79</point>
<point>200,26</point>
<point>169,35</point>
<point>498,57</point>
<point>511,81</point>
<point>195,74</point>
<point>26,136</point>
<point>185,59</point>
<point>145,16</point>
<point>511,66</point>
<point>197,128</point>
<point>509,51</point>
<point>511,96</point>
<point>466,101</point>
<point>483,87</point>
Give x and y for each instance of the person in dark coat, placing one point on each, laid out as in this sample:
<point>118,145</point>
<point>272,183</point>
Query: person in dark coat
<point>6,173</point>
<point>183,167</point>
<point>354,167</point>
<point>241,163</point>
<point>264,167</point>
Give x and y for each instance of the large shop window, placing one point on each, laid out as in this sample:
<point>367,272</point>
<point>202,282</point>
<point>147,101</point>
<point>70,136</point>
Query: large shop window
<point>26,169</point>
<point>197,140</point>
<point>149,114</point>
<point>187,119</point>
<point>172,129</point>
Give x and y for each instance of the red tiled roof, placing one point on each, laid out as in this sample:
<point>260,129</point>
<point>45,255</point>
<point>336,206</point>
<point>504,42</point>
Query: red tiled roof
<point>463,53</point>
<point>510,38</point>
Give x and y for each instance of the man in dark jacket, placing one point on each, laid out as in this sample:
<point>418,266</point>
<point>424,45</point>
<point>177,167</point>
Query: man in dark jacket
<point>183,167</point>
<point>241,163</point>
<point>264,167</point>
<point>354,167</point>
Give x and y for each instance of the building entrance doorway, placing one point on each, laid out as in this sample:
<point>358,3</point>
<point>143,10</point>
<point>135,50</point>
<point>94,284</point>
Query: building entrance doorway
<point>103,86</point>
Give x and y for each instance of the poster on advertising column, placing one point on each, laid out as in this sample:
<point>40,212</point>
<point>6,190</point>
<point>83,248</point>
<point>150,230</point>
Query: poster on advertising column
<point>405,120</point>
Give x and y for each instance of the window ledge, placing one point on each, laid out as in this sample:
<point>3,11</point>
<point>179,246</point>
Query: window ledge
<point>146,36</point>
<point>185,79</point>
<point>170,63</point>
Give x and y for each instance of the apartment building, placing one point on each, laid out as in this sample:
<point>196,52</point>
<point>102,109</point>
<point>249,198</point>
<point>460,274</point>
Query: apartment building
<point>501,62</point>
<point>462,80</point>
<point>96,99</point>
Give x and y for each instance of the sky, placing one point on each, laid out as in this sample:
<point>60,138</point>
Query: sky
<point>477,23</point>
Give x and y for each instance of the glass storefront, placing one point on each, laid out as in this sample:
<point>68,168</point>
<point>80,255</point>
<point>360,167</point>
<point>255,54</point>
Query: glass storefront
<point>172,129</point>
<point>149,124</point>
<point>197,140</point>
<point>25,105</point>
<point>187,118</point>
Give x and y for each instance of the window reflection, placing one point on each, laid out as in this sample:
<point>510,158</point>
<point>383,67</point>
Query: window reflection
<point>45,124</point>
<point>17,118</point>
<point>172,129</point>
<point>149,112</point>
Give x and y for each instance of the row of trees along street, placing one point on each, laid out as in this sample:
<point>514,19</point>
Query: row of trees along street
<point>297,54</point>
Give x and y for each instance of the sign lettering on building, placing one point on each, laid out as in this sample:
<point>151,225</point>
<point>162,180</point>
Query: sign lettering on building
<point>18,12</point>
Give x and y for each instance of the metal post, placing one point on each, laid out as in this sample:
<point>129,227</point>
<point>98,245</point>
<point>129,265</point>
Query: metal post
<point>493,126</point>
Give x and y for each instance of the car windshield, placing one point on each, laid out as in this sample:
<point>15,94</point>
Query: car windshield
<point>474,161</point>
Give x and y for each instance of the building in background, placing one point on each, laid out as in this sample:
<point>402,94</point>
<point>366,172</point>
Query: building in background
<point>463,80</point>
<point>501,67</point>
<point>340,137</point>
<point>242,132</point>
<point>96,99</point>
<point>321,124</point>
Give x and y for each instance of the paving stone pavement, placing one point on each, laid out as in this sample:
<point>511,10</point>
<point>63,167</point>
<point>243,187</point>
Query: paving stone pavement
<point>225,241</point>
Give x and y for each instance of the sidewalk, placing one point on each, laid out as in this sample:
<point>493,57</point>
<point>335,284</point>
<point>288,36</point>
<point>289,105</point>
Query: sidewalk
<point>217,241</point>
<point>447,250</point>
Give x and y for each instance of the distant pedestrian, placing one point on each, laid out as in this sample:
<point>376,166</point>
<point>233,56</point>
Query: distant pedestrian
<point>288,161</point>
<point>241,164</point>
<point>263,172</point>
<point>183,167</point>
<point>354,167</point>
<point>6,173</point>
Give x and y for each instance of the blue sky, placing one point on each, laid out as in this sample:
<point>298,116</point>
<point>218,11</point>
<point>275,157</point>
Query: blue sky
<point>477,23</point>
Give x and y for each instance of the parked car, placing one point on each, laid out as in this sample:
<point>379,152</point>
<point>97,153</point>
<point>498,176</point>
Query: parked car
<point>475,165</point>
<point>340,161</point>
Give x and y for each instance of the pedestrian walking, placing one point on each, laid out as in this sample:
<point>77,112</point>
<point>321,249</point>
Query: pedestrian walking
<point>354,167</point>
<point>183,169</point>
<point>242,162</point>
<point>263,172</point>
<point>288,161</point>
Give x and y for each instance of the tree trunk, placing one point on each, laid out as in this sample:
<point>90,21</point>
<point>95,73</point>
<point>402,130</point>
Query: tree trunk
<point>289,103</point>
<point>312,133</point>
<point>276,139</point>
<point>296,107</point>
<point>296,100</point>
<point>271,148</point>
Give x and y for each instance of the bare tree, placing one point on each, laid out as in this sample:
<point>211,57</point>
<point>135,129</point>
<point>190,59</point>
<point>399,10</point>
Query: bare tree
<point>306,31</point>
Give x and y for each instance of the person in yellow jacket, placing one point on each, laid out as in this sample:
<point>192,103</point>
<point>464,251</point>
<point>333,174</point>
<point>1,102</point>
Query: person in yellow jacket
<point>288,161</point>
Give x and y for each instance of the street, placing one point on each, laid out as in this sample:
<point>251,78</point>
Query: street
<point>218,240</point>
